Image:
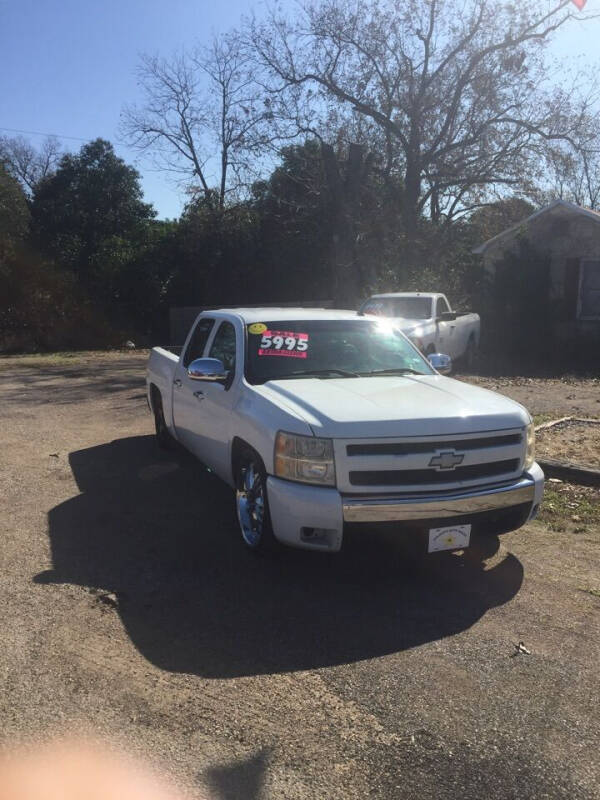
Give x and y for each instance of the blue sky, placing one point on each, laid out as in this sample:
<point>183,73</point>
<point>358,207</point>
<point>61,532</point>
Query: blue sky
<point>68,66</point>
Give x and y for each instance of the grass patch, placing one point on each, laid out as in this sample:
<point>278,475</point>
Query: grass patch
<point>67,357</point>
<point>593,592</point>
<point>570,502</point>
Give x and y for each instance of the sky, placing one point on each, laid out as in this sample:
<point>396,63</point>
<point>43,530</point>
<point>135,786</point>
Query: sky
<point>67,67</point>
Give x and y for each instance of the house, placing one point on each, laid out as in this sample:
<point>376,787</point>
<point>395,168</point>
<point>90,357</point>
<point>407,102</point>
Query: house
<point>568,236</point>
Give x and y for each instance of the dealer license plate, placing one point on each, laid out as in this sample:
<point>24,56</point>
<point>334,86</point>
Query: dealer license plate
<point>454,537</point>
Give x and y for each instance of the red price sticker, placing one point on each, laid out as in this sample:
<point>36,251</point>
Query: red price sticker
<point>283,343</point>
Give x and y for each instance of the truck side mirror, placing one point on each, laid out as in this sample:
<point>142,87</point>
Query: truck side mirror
<point>440,362</point>
<point>207,369</point>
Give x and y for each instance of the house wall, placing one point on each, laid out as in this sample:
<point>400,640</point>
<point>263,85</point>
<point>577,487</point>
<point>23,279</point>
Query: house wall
<point>565,237</point>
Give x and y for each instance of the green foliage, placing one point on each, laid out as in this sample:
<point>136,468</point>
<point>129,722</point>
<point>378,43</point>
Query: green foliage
<point>14,214</point>
<point>216,256</point>
<point>98,269</point>
<point>295,227</point>
<point>43,308</point>
<point>89,216</point>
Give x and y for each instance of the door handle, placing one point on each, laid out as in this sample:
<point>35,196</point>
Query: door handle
<point>199,395</point>
<point>177,382</point>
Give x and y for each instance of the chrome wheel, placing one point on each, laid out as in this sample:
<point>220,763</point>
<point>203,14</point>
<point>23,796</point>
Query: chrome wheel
<point>251,505</point>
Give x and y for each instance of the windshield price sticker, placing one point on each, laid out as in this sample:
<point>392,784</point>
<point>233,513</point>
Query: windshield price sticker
<point>283,343</point>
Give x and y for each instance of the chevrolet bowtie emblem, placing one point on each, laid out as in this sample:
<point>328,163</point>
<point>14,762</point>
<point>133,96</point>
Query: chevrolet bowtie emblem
<point>449,459</point>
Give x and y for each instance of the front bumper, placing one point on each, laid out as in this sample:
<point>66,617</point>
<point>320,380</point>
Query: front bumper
<point>313,517</point>
<point>455,504</point>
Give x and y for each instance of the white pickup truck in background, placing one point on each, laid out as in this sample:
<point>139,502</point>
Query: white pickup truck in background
<point>428,321</point>
<point>321,419</point>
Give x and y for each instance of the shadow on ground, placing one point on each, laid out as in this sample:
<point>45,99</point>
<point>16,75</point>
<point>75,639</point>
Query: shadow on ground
<point>33,385</point>
<point>159,532</point>
<point>240,779</point>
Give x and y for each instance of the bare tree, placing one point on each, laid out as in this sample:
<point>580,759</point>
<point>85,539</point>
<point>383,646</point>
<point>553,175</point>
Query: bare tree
<point>573,172</point>
<point>203,116</point>
<point>451,94</point>
<point>28,165</point>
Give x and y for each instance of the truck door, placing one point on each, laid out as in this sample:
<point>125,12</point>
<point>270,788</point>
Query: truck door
<point>207,406</point>
<point>185,404</point>
<point>445,330</point>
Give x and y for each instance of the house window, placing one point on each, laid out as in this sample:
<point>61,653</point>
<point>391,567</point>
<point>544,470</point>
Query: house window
<point>589,290</point>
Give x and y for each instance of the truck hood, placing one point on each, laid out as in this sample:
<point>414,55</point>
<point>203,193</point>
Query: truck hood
<point>392,406</point>
<point>405,323</point>
<point>412,325</point>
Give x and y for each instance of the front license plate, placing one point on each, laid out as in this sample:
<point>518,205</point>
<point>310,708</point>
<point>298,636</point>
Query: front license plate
<point>454,537</point>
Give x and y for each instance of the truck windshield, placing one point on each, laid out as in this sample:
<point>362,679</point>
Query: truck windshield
<point>405,307</point>
<point>346,348</point>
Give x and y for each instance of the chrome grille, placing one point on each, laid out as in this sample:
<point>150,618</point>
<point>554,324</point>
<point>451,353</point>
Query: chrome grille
<point>406,448</point>
<point>419,463</point>
<point>409,477</point>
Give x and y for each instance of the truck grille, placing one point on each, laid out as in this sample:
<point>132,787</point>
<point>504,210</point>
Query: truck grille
<point>422,463</point>
<point>407,448</point>
<point>410,477</point>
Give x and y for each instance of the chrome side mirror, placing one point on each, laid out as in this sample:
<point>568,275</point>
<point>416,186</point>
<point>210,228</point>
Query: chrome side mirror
<point>207,369</point>
<point>440,362</point>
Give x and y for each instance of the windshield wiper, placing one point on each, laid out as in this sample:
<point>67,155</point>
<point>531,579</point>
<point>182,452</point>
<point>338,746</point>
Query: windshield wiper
<point>395,371</point>
<point>307,373</point>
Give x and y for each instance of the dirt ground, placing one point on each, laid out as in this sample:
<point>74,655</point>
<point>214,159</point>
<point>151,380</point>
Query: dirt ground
<point>130,608</point>
<point>548,398</point>
<point>576,442</point>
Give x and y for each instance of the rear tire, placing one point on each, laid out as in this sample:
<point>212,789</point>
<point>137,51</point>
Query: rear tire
<point>470,356</point>
<point>252,504</point>
<point>163,437</point>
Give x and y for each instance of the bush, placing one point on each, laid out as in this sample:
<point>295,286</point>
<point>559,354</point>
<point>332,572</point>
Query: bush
<point>44,308</point>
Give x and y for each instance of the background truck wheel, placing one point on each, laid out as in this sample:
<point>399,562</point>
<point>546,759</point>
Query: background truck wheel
<point>252,504</point>
<point>163,437</point>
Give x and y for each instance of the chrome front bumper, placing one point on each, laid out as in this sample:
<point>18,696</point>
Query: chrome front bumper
<point>455,504</point>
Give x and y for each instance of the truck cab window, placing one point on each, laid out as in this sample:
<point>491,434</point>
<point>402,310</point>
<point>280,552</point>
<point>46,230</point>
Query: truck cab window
<point>442,306</point>
<point>198,340</point>
<point>223,346</point>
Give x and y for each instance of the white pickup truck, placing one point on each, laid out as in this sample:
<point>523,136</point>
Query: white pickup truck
<point>322,419</point>
<point>428,321</point>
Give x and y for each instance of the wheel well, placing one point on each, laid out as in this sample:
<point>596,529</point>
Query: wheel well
<point>154,395</point>
<point>238,446</point>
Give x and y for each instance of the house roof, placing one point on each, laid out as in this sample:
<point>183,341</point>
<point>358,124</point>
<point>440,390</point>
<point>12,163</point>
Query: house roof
<point>557,204</point>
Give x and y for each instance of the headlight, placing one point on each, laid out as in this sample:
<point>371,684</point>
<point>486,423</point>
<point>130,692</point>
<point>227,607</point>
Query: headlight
<point>304,458</point>
<point>530,451</point>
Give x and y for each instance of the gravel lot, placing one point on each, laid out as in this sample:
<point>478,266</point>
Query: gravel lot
<point>575,442</point>
<point>131,609</point>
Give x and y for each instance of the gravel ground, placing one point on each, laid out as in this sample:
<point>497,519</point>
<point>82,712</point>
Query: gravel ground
<point>576,442</point>
<point>548,398</point>
<point>131,609</point>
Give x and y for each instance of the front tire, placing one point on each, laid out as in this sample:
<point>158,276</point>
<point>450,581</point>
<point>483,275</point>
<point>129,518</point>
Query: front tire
<point>252,504</point>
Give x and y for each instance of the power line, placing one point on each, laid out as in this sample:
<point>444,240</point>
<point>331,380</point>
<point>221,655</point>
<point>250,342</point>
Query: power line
<point>39,133</point>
